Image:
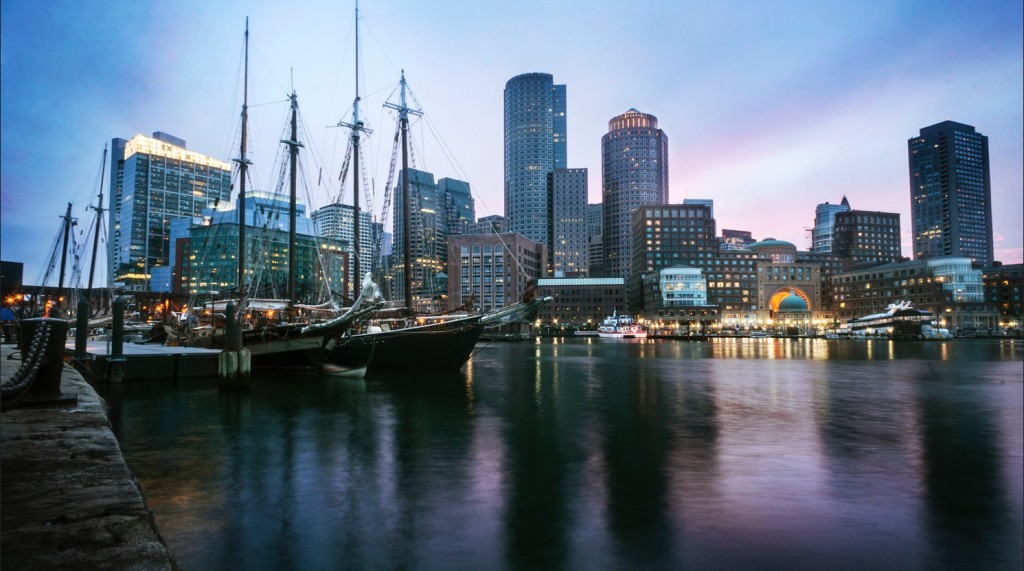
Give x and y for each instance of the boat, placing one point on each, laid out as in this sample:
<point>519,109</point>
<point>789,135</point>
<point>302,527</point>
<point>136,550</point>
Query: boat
<point>405,340</point>
<point>617,326</point>
<point>300,340</point>
<point>899,321</point>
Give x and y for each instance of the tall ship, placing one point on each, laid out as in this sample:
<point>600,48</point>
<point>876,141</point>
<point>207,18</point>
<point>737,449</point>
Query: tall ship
<point>403,339</point>
<point>617,326</point>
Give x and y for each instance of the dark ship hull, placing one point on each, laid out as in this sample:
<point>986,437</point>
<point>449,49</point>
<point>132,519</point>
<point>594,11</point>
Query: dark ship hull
<point>435,347</point>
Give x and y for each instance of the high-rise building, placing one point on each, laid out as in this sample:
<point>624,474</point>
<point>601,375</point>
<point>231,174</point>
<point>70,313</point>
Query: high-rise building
<point>434,206</point>
<point>493,224</point>
<point>634,172</point>
<point>155,180</point>
<point>824,222</point>
<point>334,221</point>
<point>568,248</point>
<point>595,243</point>
<point>866,237</point>
<point>458,203</point>
<point>951,193</point>
<point>535,145</point>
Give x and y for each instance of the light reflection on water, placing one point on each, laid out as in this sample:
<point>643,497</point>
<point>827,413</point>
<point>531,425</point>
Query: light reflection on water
<point>738,453</point>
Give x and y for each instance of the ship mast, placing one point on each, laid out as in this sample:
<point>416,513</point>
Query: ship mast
<point>293,151</point>
<point>357,127</point>
<point>243,167</point>
<point>99,222</point>
<point>403,123</point>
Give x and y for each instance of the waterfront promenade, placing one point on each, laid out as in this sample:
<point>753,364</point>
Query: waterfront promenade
<point>68,498</point>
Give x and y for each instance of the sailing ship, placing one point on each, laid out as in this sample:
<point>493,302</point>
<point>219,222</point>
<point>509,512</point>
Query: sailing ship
<point>439,343</point>
<point>292,343</point>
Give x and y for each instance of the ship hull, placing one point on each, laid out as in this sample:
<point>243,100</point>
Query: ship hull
<point>441,347</point>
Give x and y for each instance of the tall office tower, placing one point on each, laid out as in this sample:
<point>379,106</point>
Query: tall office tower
<point>459,208</point>
<point>434,208</point>
<point>157,180</point>
<point>535,145</point>
<point>951,193</point>
<point>334,221</point>
<point>824,222</point>
<point>595,245</point>
<point>568,250</point>
<point>866,237</point>
<point>634,172</point>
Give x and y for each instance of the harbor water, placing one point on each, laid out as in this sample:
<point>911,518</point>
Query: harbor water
<point>599,454</point>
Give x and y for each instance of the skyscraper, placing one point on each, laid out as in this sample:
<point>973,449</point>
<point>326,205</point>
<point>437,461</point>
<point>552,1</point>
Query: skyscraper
<point>568,250</point>
<point>156,180</point>
<point>951,193</point>
<point>824,223</point>
<point>439,210</point>
<point>535,145</point>
<point>634,172</point>
<point>334,221</point>
<point>867,237</point>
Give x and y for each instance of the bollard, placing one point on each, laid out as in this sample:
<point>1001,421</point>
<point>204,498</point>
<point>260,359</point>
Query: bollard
<point>234,360</point>
<point>117,361</point>
<point>46,389</point>
<point>81,329</point>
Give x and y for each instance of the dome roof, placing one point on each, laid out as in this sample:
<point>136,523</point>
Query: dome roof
<point>793,303</point>
<point>771,242</point>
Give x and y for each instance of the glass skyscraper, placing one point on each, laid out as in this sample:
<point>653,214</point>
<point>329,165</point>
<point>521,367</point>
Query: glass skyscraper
<point>535,145</point>
<point>155,180</point>
<point>634,172</point>
<point>951,193</point>
<point>824,224</point>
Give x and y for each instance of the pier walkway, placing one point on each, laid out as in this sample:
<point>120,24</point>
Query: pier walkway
<point>67,498</point>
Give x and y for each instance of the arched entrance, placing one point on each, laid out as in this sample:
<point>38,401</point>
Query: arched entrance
<point>782,293</point>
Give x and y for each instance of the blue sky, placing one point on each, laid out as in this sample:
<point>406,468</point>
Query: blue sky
<point>770,107</point>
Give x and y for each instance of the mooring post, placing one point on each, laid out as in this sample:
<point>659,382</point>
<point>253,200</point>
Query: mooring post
<point>45,391</point>
<point>233,363</point>
<point>81,329</point>
<point>117,361</point>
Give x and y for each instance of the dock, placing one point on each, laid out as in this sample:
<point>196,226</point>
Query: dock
<point>145,361</point>
<point>69,500</point>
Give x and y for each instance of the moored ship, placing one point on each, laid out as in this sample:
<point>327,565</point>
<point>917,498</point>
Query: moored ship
<point>617,326</point>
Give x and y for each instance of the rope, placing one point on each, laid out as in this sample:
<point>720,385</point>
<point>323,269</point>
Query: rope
<point>14,391</point>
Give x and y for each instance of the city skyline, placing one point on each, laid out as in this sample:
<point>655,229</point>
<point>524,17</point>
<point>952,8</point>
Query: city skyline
<point>771,110</point>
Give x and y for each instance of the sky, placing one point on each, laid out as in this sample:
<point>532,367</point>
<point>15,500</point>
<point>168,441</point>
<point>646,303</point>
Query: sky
<point>770,108</point>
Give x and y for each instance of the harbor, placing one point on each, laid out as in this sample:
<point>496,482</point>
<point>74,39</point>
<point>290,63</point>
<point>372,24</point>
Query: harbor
<point>594,453</point>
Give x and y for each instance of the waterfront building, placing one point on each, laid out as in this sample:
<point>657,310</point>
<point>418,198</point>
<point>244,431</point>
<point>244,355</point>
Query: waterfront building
<point>735,240</point>
<point>494,224</point>
<point>535,145</point>
<point>951,193</point>
<point>568,248</point>
<point>634,172</point>
<point>794,316</point>
<point>676,301</point>
<point>867,237</point>
<point>824,222</point>
<point>579,303</point>
<point>667,235</point>
<point>335,221</point>
<point>1003,287</point>
<point>490,271</point>
<point>155,180</point>
<point>206,249</point>
<point>948,287</point>
<point>433,207</point>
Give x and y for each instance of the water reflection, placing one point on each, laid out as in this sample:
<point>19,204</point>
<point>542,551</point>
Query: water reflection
<point>737,453</point>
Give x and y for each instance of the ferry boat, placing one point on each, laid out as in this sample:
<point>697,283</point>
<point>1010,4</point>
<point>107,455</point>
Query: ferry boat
<point>617,326</point>
<point>899,321</point>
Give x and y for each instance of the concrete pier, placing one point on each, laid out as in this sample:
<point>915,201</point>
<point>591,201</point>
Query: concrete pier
<point>67,498</point>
